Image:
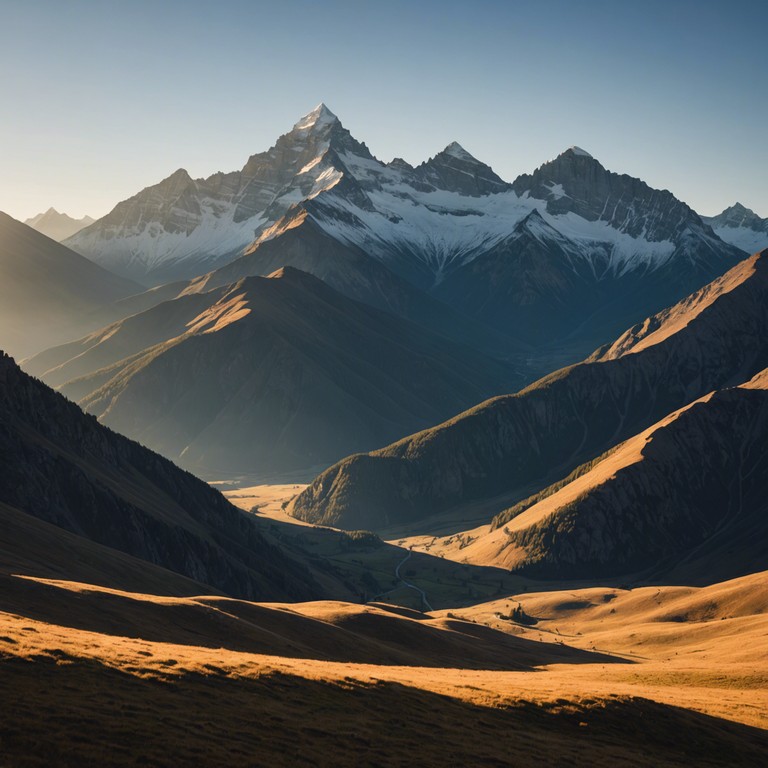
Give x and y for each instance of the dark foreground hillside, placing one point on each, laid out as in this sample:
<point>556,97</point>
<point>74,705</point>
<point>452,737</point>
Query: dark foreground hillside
<point>62,467</point>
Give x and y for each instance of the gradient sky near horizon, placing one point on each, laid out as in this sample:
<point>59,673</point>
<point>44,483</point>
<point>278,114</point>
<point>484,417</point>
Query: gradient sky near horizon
<point>102,98</point>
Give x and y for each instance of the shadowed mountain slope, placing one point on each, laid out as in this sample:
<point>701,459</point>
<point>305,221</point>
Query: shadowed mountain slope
<point>517,444</point>
<point>61,466</point>
<point>683,500</point>
<point>534,282</point>
<point>272,374</point>
<point>298,241</point>
<point>29,546</point>
<point>48,291</point>
<point>537,285</point>
<point>118,341</point>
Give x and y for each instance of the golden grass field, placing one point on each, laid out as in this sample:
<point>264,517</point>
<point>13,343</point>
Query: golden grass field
<point>678,674</point>
<point>601,676</point>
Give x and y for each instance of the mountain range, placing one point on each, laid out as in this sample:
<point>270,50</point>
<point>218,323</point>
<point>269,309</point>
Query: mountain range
<point>592,251</point>
<point>569,376</point>
<point>300,283</point>
<point>268,374</point>
<point>533,275</point>
<point>566,430</point>
<point>57,226</point>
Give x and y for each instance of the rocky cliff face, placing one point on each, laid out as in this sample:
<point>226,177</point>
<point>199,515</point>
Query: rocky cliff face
<point>455,170</point>
<point>538,435</point>
<point>63,467</point>
<point>574,182</point>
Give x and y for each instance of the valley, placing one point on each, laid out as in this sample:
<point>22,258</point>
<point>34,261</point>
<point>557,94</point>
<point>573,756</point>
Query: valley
<point>334,461</point>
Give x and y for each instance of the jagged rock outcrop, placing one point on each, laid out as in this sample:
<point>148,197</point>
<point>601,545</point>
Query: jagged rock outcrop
<point>455,170</point>
<point>575,182</point>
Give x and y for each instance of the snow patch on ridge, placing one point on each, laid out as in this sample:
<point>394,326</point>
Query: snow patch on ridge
<point>745,238</point>
<point>556,191</point>
<point>625,252</point>
<point>310,165</point>
<point>328,179</point>
<point>445,229</point>
<point>143,251</point>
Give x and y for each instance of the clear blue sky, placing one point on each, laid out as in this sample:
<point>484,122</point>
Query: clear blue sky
<point>99,99</point>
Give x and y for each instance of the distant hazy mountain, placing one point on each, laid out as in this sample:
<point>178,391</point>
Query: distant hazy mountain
<point>513,446</point>
<point>47,291</point>
<point>450,226</point>
<point>58,226</point>
<point>741,227</point>
<point>62,467</point>
<point>269,373</point>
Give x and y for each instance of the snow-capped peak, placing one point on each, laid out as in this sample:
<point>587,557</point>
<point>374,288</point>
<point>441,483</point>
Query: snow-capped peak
<point>740,226</point>
<point>454,149</point>
<point>580,152</point>
<point>318,117</point>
